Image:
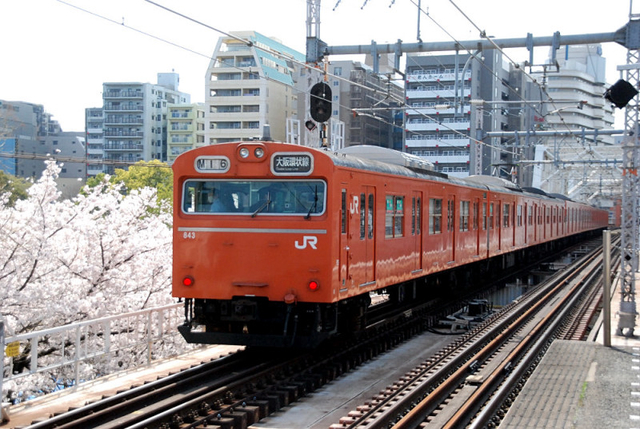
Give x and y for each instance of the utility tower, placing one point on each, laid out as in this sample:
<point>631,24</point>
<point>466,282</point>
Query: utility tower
<point>630,234</point>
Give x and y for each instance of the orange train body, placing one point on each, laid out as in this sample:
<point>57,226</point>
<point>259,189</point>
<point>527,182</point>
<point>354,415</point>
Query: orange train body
<point>281,245</point>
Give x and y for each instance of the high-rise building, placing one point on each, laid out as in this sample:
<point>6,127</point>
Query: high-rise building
<point>134,123</point>
<point>94,122</point>
<point>442,124</point>
<point>579,84</point>
<point>185,130</point>
<point>249,85</point>
<point>575,157</point>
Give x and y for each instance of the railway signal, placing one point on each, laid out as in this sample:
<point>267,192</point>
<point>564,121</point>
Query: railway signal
<point>320,102</point>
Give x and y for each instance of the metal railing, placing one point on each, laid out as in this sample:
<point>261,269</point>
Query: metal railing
<point>79,352</point>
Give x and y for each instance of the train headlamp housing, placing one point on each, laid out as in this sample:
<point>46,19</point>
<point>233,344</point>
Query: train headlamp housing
<point>314,285</point>
<point>251,152</point>
<point>188,281</point>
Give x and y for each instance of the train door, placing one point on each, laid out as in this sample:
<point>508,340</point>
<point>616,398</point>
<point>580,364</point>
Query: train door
<point>361,237</point>
<point>344,240</point>
<point>499,224</point>
<point>527,216</point>
<point>370,248</point>
<point>486,227</point>
<point>476,224</point>
<point>416,229</point>
<point>451,232</point>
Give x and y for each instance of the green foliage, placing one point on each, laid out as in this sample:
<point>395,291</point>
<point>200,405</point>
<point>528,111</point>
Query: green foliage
<point>154,174</point>
<point>16,187</point>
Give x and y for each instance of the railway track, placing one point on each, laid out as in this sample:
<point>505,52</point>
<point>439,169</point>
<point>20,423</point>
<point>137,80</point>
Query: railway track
<point>239,390</point>
<point>472,386</point>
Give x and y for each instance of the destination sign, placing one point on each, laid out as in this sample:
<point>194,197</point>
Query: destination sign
<point>292,164</point>
<point>212,164</point>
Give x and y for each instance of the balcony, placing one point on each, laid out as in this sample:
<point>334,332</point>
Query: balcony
<point>447,159</point>
<point>123,147</point>
<point>445,94</point>
<point>123,133</point>
<point>123,119</point>
<point>421,76</point>
<point>94,169</point>
<point>430,125</point>
<point>431,109</point>
<point>95,150</point>
<point>434,143</point>
<point>122,93</point>
<point>126,107</point>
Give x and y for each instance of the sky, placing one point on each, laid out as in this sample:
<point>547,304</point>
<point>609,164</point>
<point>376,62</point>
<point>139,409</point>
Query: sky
<point>59,52</point>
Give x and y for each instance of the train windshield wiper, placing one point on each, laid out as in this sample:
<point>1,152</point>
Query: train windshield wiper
<point>314,205</point>
<point>262,206</point>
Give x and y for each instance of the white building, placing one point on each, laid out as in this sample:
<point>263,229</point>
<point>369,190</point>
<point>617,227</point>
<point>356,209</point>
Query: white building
<point>134,123</point>
<point>578,87</point>
<point>249,86</point>
<point>579,84</point>
<point>441,124</point>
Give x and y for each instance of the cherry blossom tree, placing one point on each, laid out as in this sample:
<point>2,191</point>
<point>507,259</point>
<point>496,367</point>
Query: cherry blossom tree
<point>101,253</point>
<point>67,260</point>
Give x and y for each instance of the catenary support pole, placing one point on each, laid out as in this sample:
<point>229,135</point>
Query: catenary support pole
<point>606,293</point>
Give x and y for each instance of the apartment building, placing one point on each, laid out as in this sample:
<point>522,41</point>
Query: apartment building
<point>186,128</point>
<point>134,123</point>
<point>94,123</point>
<point>442,124</point>
<point>250,84</point>
<point>578,85</point>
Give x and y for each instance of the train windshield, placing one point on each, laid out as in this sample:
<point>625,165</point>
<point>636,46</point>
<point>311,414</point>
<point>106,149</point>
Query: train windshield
<point>254,197</point>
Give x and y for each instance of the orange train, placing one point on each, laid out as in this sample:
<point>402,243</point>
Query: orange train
<point>281,245</point>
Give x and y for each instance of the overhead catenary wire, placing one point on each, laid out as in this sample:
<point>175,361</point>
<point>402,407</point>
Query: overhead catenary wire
<point>533,79</point>
<point>374,90</point>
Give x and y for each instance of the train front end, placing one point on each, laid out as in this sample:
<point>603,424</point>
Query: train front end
<point>252,247</point>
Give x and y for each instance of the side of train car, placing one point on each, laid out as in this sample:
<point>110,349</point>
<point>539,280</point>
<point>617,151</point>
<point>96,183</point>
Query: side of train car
<point>281,245</point>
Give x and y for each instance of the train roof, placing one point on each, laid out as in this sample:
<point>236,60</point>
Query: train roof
<point>384,160</point>
<point>388,161</point>
<point>493,182</point>
<point>390,156</point>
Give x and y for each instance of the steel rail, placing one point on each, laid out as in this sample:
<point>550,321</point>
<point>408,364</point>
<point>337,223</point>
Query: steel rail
<point>427,381</point>
<point>523,355</point>
<point>461,418</point>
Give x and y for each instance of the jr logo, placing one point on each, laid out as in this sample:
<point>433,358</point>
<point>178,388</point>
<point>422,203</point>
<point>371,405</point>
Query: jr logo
<point>309,240</point>
<point>353,207</point>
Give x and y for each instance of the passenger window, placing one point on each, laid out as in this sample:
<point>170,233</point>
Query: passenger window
<point>394,217</point>
<point>435,216</point>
